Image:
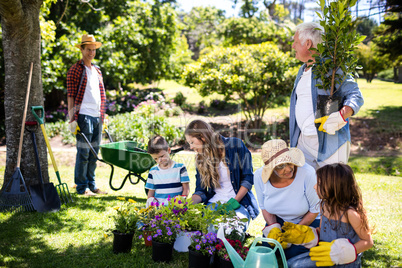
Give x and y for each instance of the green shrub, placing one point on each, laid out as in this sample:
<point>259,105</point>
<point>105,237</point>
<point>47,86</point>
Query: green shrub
<point>179,99</point>
<point>202,108</point>
<point>386,74</point>
<point>139,126</point>
<point>218,104</point>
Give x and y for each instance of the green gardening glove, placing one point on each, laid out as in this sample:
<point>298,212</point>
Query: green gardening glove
<point>232,204</point>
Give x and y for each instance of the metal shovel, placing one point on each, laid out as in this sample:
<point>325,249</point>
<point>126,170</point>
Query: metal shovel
<point>44,195</point>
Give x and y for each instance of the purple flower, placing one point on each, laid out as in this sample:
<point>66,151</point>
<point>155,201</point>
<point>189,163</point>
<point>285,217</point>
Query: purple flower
<point>169,233</point>
<point>197,247</point>
<point>140,237</point>
<point>159,232</point>
<point>149,238</point>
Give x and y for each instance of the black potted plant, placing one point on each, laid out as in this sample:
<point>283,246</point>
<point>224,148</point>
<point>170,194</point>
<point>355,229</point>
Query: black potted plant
<point>335,57</point>
<point>125,225</point>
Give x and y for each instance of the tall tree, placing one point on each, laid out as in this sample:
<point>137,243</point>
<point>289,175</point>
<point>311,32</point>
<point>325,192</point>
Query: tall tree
<point>21,46</point>
<point>389,36</point>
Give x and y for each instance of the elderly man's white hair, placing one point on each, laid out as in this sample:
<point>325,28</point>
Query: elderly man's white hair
<point>307,30</point>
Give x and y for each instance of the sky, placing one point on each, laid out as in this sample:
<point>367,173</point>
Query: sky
<point>227,5</point>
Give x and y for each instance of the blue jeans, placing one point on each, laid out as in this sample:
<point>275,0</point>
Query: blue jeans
<point>304,261</point>
<point>85,163</point>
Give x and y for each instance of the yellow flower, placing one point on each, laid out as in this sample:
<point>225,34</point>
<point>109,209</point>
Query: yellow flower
<point>116,208</point>
<point>121,198</point>
<point>105,235</point>
<point>131,201</point>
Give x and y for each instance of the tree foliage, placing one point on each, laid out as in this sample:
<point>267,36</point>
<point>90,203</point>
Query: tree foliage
<point>340,40</point>
<point>260,75</point>
<point>200,27</point>
<point>370,60</point>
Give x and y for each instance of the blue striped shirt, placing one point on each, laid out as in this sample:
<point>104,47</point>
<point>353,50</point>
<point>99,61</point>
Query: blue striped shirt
<point>167,182</point>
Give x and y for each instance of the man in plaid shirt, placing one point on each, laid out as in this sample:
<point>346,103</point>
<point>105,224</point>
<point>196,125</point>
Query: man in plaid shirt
<point>86,105</point>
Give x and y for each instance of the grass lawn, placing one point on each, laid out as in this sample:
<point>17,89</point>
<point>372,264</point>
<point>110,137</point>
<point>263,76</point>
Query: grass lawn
<point>74,236</point>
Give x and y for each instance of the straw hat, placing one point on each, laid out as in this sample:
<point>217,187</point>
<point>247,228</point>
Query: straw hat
<point>89,39</point>
<point>276,152</point>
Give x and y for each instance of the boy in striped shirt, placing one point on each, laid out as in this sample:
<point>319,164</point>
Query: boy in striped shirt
<point>167,178</point>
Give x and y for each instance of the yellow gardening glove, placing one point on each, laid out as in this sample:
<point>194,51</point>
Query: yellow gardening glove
<point>331,123</point>
<point>274,231</point>
<point>300,234</point>
<point>74,127</point>
<point>105,123</point>
<point>339,251</point>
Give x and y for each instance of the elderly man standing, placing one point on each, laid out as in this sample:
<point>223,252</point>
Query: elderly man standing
<point>319,147</point>
<point>86,105</point>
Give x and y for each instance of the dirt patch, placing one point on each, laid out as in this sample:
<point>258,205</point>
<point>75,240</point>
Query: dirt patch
<point>367,140</point>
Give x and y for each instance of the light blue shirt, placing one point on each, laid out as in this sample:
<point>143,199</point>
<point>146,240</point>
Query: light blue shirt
<point>290,203</point>
<point>167,182</point>
<point>351,96</point>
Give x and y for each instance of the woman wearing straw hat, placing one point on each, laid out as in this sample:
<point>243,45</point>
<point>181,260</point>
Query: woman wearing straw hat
<point>224,170</point>
<point>285,191</point>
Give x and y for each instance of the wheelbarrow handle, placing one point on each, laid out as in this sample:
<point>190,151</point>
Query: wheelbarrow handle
<point>89,145</point>
<point>38,118</point>
<point>175,151</point>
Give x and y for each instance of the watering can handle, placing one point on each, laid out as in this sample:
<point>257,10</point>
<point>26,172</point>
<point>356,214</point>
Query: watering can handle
<point>277,246</point>
<point>39,119</point>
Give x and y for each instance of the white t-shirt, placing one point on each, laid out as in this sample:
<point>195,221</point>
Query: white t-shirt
<point>226,191</point>
<point>304,105</point>
<point>292,202</point>
<point>91,102</point>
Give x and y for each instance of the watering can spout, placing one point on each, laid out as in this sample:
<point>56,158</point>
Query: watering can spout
<point>237,261</point>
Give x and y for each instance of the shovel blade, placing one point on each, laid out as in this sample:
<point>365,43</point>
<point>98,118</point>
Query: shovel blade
<point>46,199</point>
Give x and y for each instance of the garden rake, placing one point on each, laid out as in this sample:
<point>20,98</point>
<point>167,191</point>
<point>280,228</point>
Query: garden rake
<point>62,188</point>
<point>15,199</point>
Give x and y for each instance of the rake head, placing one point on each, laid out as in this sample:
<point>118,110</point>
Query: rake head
<point>15,199</point>
<point>64,193</point>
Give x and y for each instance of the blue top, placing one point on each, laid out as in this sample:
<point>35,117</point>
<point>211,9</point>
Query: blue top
<point>334,229</point>
<point>290,203</point>
<point>167,182</point>
<point>351,96</point>
<point>238,159</point>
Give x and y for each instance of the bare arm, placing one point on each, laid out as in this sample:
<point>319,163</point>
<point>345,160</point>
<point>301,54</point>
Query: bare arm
<point>308,218</point>
<point>186,189</point>
<point>151,193</point>
<point>268,217</point>
<point>346,112</point>
<point>241,193</point>
<point>366,240</point>
<point>70,106</point>
<point>196,198</point>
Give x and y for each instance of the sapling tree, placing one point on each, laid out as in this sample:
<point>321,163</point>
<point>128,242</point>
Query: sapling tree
<point>340,41</point>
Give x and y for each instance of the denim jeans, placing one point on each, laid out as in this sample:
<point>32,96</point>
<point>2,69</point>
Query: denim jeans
<point>304,261</point>
<point>85,164</point>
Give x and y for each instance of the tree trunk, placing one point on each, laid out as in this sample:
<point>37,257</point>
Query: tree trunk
<point>21,46</point>
<point>400,74</point>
